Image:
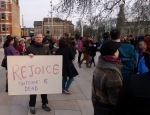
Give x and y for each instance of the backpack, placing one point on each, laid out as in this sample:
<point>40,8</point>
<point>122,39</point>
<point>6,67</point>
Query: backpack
<point>129,59</point>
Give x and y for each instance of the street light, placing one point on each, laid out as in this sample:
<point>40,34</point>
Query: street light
<point>48,27</point>
<point>51,17</point>
<point>82,25</point>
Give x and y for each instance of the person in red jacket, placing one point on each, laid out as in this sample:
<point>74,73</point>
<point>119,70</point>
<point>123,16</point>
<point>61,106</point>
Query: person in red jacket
<point>21,46</point>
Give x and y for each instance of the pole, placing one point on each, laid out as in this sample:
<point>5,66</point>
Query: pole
<point>51,17</point>
<point>22,26</point>
<point>48,27</point>
<point>81,28</point>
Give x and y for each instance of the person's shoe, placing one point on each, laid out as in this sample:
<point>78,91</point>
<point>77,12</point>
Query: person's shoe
<point>32,110</point>
<point>67,91</point>
<point>46,108</point>
<point>63,91</point>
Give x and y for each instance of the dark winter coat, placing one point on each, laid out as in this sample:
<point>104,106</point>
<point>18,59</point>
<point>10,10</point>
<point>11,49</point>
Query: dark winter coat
<point>134,98</point>
<point>93,49</point>
<point>38,49</point>
<point>107,81</point>
<point>68,68</point>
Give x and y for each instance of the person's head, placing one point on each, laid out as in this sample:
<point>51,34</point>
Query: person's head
<point>66,35</point>
<point>89,38</point>
<point>38,38</point>
<point>142,45</point>
<point>21,41</point>
<point>147,35</point>
<point>110,49</point>
<point>9,41</point>
<point>147,43</point>
<point>28,41</point>
<point>115,34</point>
<point>54,39</point>
<point>62,43</point>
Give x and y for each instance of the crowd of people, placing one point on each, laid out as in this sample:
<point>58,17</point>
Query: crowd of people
<point>121,83</point>
<point>121,76</point>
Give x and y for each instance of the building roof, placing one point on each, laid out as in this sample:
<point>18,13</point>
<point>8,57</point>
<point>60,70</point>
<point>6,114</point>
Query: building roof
<point>37,23</point>
<point>54,19</point>
<point>58,20</point>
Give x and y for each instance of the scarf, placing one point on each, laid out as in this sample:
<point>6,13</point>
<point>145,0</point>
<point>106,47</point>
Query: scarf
<point>110,58</point>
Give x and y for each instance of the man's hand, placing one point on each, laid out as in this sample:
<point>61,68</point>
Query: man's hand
<point>31,55</point>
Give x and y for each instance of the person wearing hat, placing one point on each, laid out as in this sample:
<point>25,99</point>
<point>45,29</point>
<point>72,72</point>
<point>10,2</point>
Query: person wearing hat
<point>107,79</point>
<point>21,46</point>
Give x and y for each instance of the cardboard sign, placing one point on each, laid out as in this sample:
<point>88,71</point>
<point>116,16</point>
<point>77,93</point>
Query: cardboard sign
<point>36,75</point>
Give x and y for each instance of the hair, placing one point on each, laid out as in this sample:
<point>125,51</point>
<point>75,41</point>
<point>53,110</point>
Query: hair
<point>147,41</point>
<point>147,35</point>
<point>9,38</point>
<point>115,34</point>
<point>62,43</point>
<point>66,35</point>
<point>38,33</point>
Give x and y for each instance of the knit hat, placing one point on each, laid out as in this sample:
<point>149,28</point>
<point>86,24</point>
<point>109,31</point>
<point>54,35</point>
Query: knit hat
<point>109,48</point>
<point>21,39</point>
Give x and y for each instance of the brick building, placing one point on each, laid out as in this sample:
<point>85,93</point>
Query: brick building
<point>9,19</point>
<point>59,27</point>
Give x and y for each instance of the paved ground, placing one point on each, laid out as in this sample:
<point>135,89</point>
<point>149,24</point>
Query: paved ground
<point>78,103</point>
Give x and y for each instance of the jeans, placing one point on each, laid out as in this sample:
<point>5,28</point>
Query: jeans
<point>66,83</point>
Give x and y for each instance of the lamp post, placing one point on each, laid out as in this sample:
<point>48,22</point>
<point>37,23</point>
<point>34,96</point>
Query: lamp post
<point>51,17</point>
<point>48,26</point>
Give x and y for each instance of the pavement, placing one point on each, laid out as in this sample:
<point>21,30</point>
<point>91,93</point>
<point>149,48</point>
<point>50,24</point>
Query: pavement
<point>77,103</point>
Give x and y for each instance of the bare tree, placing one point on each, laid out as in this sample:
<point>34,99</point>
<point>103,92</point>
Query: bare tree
<point>100,8</point>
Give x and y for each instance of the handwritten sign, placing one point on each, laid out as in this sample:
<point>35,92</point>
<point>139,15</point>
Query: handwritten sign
<point>37,75</point>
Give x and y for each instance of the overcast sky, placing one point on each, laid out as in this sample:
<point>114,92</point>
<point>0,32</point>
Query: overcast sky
<point>35,10</point>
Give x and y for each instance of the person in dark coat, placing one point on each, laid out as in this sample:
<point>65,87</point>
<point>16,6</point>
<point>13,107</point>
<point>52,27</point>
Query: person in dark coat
<point>107,80</point>
<point>37,48</point>
<point>93,50</point>
<point>134,97</point>
<point>69,71</point>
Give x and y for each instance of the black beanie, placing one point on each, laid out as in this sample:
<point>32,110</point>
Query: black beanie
<point>109,48</point>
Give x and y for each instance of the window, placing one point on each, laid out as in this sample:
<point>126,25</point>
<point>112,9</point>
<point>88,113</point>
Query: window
<point>2,4</point>
<point>2,16</point>
<point>3,29</point>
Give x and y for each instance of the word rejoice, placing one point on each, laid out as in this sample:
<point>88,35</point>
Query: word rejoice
<point>22,72</point>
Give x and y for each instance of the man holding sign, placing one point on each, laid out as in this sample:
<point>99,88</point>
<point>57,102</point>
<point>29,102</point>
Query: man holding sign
<point>38,49</point>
